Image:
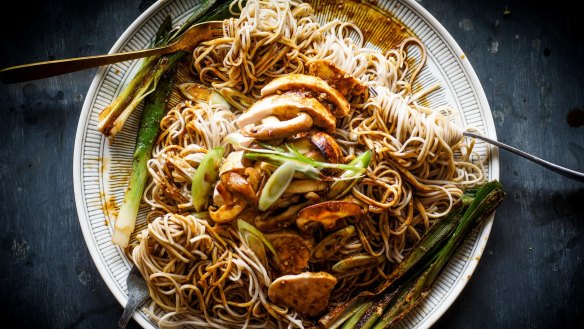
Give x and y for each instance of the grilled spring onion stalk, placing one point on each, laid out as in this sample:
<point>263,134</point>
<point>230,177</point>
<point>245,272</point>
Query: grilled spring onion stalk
<point>410,283</point>
<point>205,176</point>
<point>154,109</point>
<point>112,118</point>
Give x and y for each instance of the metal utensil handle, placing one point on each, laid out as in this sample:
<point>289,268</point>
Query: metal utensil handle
<point>551,166</point>
<point>130,308</point>
<point>47,69</point>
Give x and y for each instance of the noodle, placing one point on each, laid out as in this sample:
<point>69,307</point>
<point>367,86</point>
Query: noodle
<point>187,132</point>
<point>202,278</point>
<point>208,276</point>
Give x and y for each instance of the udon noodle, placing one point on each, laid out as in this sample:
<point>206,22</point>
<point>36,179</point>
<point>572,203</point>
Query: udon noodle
<point>204,277</point>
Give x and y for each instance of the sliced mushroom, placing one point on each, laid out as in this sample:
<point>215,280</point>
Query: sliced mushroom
<point>332,243</point>
<point>293,254</point>
<point>238,141</point>
<point>269,222</point>
<point>235,183</point>
<point>279,129</point>
<point>270,119</point>
<point>286,200</point>
<point>301,142</point>
<point>301,186</point>
<point>328,146</point>
<point>200,93</point>
<point>220,194</point>
<point>253,177</point>
<point>315,155</point>
<point>233,162</point>
<point>307,293</point>
<point>338,79</point>
<point>286,107</point>
<point>227,212</point>
<point>316,85</point>
<point>326,213</point>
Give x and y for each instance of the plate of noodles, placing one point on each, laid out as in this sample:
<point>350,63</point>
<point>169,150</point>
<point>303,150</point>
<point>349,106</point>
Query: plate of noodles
<point>298,161</point>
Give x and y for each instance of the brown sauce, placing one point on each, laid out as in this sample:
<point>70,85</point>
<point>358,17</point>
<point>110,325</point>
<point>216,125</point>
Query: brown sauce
<point>378,26</point>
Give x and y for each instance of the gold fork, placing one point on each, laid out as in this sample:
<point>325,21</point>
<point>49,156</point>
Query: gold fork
<point>186,42</point>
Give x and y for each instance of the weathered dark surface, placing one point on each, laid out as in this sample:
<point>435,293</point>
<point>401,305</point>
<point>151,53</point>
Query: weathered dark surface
<point>529,63</point>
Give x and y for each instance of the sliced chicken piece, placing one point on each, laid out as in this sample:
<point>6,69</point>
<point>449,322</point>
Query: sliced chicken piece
<point>338,79</point>
<point>302,83</point>
<point>286,107</point>
<point>328,146</point>
<point>293,254</point>
<point>307,293</point>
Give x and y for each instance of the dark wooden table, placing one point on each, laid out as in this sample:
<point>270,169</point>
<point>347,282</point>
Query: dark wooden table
<point>529,61</point>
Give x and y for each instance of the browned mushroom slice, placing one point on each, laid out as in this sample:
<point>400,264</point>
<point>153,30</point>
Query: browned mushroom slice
<point>227,212</point>
<point>301,186</point>
<point>221,196</point>
<point>293,254</point>
<point>328,146</point>
<point>327,213</point>
<point>286,107</point>
<point>332,243</point>
<point>338,79</point>
<point>233,162</point>
<point>279,129</point>
<point>253,177</point>
<point>270,222</point>
<point>315,155</point>
<point>307,293</point>
<point>200,93</point>
<point>315,85</point>
<point>235,183</point>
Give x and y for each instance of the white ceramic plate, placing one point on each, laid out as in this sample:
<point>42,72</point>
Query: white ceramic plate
<point>101,168</point>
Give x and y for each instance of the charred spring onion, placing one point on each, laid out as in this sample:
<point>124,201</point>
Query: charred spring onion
<point>152,84</point>
<point>412,280</point>
<point>154,109</point>
<point>112,118</point>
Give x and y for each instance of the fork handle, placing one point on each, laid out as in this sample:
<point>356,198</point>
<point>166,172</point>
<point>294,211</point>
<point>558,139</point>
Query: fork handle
<point>578,176</point>
<point>47,69</point>
<point>131,306</point>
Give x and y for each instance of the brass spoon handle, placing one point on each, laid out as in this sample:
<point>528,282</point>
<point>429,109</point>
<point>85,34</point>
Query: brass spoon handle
<point>47,69</point>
